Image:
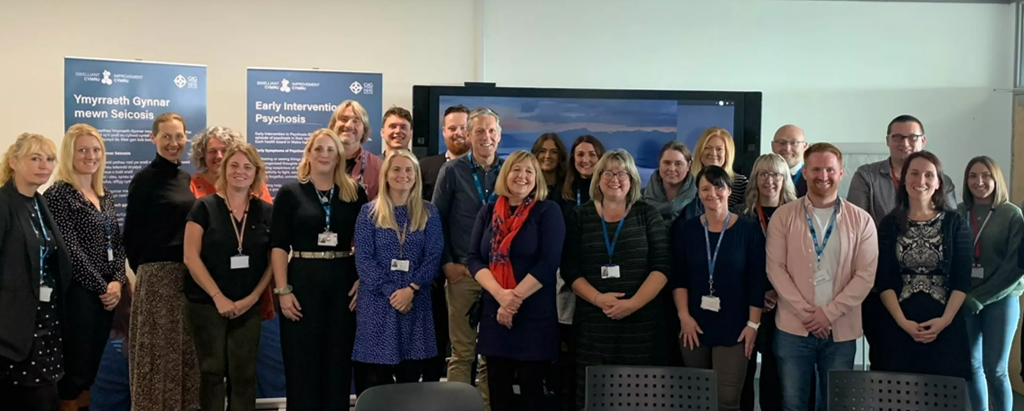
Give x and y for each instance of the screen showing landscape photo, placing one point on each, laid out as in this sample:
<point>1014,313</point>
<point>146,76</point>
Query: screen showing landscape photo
<point>641,127</point>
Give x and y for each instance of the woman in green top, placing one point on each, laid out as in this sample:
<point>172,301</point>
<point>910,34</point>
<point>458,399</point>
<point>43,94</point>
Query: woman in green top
<point>992,307</point>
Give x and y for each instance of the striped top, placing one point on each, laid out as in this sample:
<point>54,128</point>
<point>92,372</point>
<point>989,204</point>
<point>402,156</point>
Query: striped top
<point>739,191</point>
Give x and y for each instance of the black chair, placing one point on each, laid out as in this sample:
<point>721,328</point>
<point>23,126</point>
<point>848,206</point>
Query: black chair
<point>611,387</point>
<point>875,390</point>
<point>421,396</point>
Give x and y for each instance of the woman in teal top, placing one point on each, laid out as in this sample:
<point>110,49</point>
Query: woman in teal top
<point>992,307</point>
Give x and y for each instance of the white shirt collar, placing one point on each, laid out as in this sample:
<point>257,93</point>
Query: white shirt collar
<point>793,170</point>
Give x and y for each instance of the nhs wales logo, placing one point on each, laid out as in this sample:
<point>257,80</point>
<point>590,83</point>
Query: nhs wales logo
<point>361,88</point>
<point>191,82</point>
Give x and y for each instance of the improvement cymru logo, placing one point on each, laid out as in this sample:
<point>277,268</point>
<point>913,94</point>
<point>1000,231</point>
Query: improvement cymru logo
<point>106,78</point>
<point>284,86</point>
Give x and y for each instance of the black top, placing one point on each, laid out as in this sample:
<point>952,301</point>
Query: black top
<point>580,186</point>
<point>89,233</point>
<point>536,250</point>
<point>430,167</point>
<point>739,276</point>
<point>220,243</point>
<point>955,262</point>
<point>159,199</point>
<point>299,218</point>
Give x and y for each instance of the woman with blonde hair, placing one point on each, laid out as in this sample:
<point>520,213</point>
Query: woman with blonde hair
<point>163,370</point>
<point>715,147</point>
<point>992,306</point>
<point>35,277</point>
<point>617,275</point>
<point>314,220</point>
<point>84,213</point>
<point>398,255</point>
<point>514,254</point>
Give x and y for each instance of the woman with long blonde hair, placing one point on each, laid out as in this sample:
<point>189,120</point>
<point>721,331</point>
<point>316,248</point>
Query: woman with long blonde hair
<point>314,219</point>
<point>84,213</point>
<point>398,255</point>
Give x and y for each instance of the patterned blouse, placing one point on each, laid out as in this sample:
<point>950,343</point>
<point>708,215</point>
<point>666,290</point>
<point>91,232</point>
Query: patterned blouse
<point>919,252</point>
<point>90,234</point>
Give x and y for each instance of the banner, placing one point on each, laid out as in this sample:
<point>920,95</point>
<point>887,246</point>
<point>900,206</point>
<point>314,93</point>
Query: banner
<point>121,99</point>
<point>286,105</point>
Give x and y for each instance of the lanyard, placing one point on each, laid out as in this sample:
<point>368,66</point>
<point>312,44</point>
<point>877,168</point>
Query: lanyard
<point>609,244</point>
<point>892,174</point>
<point>108,230</point>
<point>402,235</point>
<point>760,218</point>
<point>484,197</point>
<point>326,203</point>
<point>240,233</point>
<point>44,249</point>
<point>819,249</point>
<point>712,259</point>
<point>978,230</point>
<point>577,197</point>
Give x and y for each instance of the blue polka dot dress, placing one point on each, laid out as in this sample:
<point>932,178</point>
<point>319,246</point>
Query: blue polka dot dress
<point>383,334</point>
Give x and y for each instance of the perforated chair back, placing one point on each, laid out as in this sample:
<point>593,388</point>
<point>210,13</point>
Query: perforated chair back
<point>421,396</point>
<point>875,391</point>
<point>612,387</point>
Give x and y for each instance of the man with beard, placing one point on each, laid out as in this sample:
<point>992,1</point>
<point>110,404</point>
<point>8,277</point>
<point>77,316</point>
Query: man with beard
<point>790,144</point>
<point>822,253</point>
<point>396,130</point>
<point>464,185</point>
<point>874,188</point>
<point>454,131</point>
<point>352,124</point>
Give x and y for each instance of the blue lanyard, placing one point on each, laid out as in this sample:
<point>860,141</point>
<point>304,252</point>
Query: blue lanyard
<point>609,244</point>
<point>819,249</point>
<point>484,198</point>
<point>44,249</point>
<point>577,197</point>
<point>712,258</point>
<point>799,174</point>
<point>327,208</point>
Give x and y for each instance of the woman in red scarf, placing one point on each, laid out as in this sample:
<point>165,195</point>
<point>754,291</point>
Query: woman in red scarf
<point>514,253</point>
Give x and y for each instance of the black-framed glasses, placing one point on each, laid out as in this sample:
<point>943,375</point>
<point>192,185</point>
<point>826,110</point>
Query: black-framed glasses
<point>910,138</point>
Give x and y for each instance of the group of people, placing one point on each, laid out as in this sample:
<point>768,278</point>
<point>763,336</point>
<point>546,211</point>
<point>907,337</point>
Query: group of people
<point>532,267</point>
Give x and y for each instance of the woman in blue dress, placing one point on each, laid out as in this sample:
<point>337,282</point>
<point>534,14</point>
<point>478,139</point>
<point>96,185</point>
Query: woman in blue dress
<point>398,245</point>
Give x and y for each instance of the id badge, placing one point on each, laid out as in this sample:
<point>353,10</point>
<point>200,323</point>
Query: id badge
<point>239,262</point>
<point>45,293</point>
<point>110,254</point>
<point>710,303</point>
<point>977,271</point>
<point>327,239</point>
<point>609,271</point>
<point>400,265</point>
<point>821,276</point>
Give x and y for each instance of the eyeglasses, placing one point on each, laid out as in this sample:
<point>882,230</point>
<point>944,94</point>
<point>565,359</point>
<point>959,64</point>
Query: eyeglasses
<point>769,175</point>
<point>618,175</point>
<point>912,138</point>
<point>787,143</point>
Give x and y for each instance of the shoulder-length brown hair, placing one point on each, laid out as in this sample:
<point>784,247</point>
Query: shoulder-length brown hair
<point>903,198</point>
<point>1000,195</point>
<point>573,174</point>
<point>253,156</point>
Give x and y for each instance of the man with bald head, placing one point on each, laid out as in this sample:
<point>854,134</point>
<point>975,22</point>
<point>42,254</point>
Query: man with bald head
<point>789,143</point>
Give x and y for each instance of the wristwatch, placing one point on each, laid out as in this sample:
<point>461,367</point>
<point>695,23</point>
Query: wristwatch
<point>753,325</point>
<point>282,291</point>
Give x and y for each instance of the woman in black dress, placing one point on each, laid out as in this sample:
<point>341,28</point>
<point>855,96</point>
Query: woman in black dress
<point>36,273</point>
<point>616,256</point>
<point>84,213</point>
<point>924,272</point>
<point>314,219</point>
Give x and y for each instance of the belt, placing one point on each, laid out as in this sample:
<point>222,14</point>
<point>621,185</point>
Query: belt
<point>321,255</point>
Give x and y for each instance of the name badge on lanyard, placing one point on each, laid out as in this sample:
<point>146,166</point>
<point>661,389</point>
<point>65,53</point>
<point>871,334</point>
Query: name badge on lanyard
<point>327,238</point>
<point>401,263</point>
<point>710,302</point>
<point>611,270</point>
<point>977,271</point>
<point>239,261</point>
<point>45,292</point>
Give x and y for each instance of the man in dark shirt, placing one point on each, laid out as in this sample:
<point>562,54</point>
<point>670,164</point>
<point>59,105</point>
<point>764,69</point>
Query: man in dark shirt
<point>789,143</point>
<point>454,131</point>
<point>463,186</point>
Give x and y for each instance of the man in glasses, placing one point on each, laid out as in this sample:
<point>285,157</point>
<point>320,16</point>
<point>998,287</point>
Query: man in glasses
<point>873,188</point>
<point>789,143</point>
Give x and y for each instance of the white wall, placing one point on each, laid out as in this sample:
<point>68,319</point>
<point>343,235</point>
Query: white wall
<point>411,42</point>
<point>841,70</point>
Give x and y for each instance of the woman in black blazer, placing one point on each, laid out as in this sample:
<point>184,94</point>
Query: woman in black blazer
<point>33,281</point>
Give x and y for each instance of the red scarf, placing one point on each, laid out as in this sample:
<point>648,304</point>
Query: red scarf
<point>504,225</point>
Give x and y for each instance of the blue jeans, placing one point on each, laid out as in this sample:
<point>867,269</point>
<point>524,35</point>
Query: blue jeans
<point>990,334</point>
<point>798,357</point>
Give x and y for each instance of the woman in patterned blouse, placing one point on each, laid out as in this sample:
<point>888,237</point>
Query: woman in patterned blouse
<point>398,243</point>
<point>84,213</point>
<point>924,271</point>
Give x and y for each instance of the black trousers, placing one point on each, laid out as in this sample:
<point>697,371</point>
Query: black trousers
<point>381,374</point>
<point>561,378</point>
<point>29,398</point>
<point>873,316</point>
<point>317,349</point>
<point>503,373</point>
<point>434,368</point>
<point>86,331</point>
